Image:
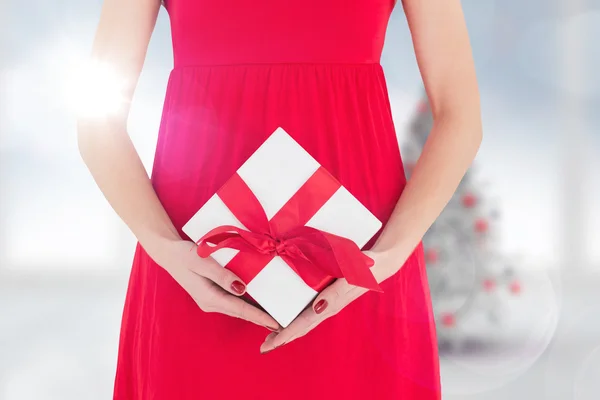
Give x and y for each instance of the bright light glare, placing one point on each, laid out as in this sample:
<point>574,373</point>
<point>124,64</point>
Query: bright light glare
<point>96,90</point>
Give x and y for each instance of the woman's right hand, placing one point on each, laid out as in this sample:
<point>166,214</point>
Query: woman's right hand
<point>213,288</point>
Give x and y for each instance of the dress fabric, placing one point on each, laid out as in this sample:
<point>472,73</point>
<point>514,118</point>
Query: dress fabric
<point>242,68</point>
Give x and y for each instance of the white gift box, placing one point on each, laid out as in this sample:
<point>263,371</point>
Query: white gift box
<point>274,173</point>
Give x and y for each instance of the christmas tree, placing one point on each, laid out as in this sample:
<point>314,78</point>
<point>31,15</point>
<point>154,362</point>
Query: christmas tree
<point>467,274</point>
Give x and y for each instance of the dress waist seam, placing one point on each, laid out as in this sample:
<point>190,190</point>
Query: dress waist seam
<point>277,64</point>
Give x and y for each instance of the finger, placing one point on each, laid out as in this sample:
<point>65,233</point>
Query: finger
<point>212,270</point>
<point>329,298</point>
<point>319,310</point>
<point>236,307</point>
<point>305,331</point>
<point>300,326</point>
<point>271,335</point>
<point>328,303</point>
<point>338,302</point>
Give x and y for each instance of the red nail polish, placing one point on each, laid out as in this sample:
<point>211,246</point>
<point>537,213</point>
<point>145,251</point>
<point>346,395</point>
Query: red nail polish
<point>238,287</point>
<point>321,306</point>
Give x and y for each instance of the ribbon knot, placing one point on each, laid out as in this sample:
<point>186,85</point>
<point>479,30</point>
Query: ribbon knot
<point>272,245</point>
<point>280,246</point>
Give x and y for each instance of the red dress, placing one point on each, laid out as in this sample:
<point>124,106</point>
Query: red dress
<point>242,68</point>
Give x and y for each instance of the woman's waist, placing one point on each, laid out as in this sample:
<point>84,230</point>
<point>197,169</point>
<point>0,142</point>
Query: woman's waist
<point>251,54</point>
<point>294,50</point>
<point>299,66</point>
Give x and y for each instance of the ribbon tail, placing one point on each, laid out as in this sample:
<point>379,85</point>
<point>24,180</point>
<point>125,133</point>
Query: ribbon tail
<point>219,230</point>
<point>355,266</point>
<point>225,236</point>
<point>362,277</point>
<point>234,242</point>
<point>345,257</point>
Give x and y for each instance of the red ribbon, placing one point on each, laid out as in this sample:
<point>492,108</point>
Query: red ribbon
<point>316,256</point>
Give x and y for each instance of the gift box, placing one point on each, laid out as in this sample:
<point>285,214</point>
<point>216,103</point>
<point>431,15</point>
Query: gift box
<point>286,227</point>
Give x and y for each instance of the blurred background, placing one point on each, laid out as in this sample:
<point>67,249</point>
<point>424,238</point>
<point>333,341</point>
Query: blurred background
<point>514,261</point>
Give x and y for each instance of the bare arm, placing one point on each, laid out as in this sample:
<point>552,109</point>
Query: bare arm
<point>444,57</point>
<point>121,41</point>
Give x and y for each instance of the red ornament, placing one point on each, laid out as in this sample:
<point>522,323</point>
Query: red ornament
<point>422,107</point>
<point>489,285</point>
<point>515,287</point>
<point>431,255</point>
<point>469,200</point>
<point>448,320</point>
<point>481,225</point>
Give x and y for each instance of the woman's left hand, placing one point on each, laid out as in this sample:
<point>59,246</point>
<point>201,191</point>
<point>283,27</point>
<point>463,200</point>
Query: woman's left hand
<point>331,301</point>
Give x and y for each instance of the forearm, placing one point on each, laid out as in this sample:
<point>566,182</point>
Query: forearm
<point>109,154</point>
<point>447,154</point>
<point>108,82</point>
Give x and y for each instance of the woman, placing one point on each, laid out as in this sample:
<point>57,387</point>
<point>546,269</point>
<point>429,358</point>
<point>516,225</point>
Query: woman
<point>242,69</point>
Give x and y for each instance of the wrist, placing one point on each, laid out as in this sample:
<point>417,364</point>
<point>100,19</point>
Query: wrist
<point>389,258</point>
<point>392,250</point>
<point>155,243</point>
<point>150,237</point>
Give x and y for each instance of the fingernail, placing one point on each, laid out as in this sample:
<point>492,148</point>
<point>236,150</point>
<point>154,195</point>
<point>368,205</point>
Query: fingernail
<point>272,329</point>
<point>238,287</point>
<point>321,306</point>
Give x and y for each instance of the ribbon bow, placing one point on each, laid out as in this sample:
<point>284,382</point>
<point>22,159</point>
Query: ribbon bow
<point>314,255</point>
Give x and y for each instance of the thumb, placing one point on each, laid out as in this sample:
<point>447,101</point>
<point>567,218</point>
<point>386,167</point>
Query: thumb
<point>212,270</point>
<point>229,281</point>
